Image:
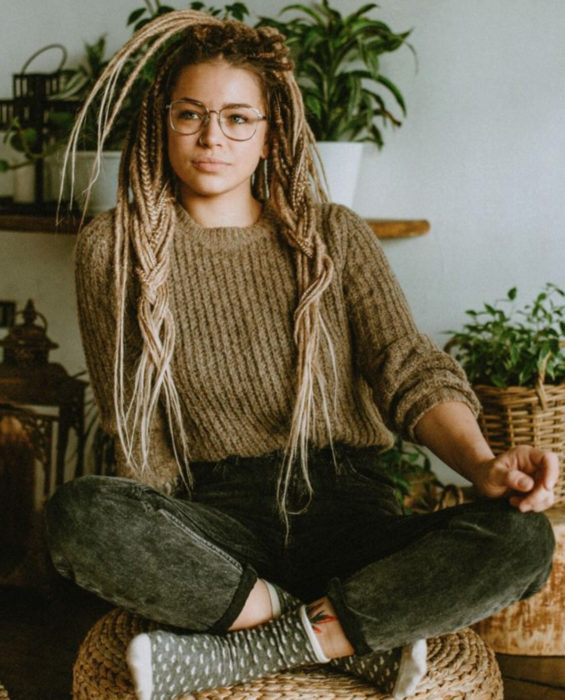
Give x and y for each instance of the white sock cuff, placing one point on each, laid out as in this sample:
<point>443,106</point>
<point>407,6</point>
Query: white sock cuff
<point>275,600</point>
<point>317,649</point>
<point>413,667</point>
<point>139,661</point>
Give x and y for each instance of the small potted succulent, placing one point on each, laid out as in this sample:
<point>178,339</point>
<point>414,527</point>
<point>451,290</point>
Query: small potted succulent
<point>515,359</point>
<point>346,96</point>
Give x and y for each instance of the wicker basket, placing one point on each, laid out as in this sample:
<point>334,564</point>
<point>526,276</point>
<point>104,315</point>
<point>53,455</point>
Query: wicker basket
<point>521,416</point>
<point>460,665</point>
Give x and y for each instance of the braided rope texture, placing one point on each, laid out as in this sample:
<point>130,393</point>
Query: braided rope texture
<point>460,666</point>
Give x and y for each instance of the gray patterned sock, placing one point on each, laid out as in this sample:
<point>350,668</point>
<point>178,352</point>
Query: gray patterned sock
<point>397,671</point>
<point>378,668</point>
<point>165,665</point>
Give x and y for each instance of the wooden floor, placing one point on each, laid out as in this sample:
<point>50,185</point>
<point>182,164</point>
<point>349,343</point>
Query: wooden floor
<point>40,635</point>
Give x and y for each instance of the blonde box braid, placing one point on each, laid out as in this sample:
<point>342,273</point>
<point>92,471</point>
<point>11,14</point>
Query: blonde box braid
<point>144,226</point>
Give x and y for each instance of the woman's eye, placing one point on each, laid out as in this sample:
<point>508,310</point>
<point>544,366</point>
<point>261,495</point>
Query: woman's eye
<point>187,115</point>
<point>237,118</point>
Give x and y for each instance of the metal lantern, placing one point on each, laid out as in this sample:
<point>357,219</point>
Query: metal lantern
<point>28,379</point>
<point>27,344</point>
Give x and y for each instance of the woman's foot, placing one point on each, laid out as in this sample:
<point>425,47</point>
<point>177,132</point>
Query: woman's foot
<point>165,665</point>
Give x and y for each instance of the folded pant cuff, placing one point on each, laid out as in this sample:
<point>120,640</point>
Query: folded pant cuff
<point>348,622</point>
<point>248,580</point>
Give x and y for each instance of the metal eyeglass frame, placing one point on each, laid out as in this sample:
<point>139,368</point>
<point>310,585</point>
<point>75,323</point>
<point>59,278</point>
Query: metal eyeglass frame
<point>208,112</point>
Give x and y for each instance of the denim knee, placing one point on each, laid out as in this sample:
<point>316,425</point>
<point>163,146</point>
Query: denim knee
<point>537,539</point>
<point>522,544</point>
<point>67,513</point>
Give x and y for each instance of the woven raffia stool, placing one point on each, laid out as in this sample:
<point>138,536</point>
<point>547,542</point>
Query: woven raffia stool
<point>460,666</point>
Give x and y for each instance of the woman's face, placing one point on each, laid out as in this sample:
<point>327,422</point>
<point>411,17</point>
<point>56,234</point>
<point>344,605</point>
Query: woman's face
<point>207,163</point>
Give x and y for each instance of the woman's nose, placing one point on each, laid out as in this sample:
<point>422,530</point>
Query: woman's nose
<point>211,131</point>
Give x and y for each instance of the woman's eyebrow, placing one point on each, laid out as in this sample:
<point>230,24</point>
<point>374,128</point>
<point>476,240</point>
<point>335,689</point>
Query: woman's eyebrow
<point>226,104</point>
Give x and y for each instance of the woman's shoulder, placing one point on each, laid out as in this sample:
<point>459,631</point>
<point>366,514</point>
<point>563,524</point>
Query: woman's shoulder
<point>95,242</point>
<point>100,228</point>
<point>339,220</point>
<point>341,227</point>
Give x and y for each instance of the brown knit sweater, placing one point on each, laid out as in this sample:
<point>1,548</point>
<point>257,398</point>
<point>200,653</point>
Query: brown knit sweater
<point>233,294</point>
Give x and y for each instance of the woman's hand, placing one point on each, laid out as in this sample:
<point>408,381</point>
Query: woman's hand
<point>525,475</point>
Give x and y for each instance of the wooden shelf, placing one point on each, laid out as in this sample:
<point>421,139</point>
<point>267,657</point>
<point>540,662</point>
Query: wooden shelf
<point>31,223</point>
<point>398,228</point>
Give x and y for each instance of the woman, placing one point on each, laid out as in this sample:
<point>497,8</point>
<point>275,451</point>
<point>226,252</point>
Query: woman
<point>250,350</point>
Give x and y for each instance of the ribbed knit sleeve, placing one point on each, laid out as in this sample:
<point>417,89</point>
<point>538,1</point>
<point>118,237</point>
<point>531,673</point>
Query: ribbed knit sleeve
<point>97,319</point>
<point>407,372</point>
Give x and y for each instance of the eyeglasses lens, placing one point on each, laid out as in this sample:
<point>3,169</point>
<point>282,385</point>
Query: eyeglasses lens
<point>237,123</point>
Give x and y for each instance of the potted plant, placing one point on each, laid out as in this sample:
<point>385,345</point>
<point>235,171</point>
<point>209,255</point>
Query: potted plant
<point>33,147</point>
<point>33,127</point>
<point>77,84</point>
<point>515,359</point>
<point>337,66</point>
<point>26,142</point>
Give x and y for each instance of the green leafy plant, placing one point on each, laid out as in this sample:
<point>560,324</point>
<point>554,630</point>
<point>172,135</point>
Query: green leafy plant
<point>77,84</point>
<point>153,8</point>
<point>503,345</point>
<point>32,145</point>
<point>410,469</point>
<point>80,81</point>
<point>337,66</point>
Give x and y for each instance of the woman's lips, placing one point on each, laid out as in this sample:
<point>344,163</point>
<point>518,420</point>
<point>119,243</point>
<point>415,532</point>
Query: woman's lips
<point>209,165</point>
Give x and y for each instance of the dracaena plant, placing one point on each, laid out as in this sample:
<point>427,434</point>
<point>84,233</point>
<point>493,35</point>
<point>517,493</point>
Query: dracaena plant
<point>505,345</point>
<point>338,69</point>
<point>155,8</point>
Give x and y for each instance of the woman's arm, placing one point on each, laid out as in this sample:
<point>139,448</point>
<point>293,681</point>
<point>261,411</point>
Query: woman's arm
<point>407,372</point>
<point>525,474</point>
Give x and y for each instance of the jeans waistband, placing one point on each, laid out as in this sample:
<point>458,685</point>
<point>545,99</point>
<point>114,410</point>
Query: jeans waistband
<point>321,462</point>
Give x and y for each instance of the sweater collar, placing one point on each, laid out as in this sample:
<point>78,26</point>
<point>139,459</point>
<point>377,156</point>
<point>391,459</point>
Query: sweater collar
<point>225,238</point>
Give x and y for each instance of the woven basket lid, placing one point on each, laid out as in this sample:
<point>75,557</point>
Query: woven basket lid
<point>459,665</point>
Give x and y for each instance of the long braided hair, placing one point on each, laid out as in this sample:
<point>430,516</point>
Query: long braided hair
<point>144,223</point>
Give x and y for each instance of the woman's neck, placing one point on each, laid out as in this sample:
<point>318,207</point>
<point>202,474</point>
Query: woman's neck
<point>222,212</point>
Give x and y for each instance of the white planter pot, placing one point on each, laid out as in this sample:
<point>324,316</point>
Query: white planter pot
<point>52,174</point>
<point>104,190</point>
<point>24,184</point>
<point>342,162</point>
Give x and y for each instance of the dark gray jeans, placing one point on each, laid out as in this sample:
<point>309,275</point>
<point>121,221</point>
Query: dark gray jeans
<point>392,578</point>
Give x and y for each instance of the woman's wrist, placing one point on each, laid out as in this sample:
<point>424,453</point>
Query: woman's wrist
<point>452,433</point>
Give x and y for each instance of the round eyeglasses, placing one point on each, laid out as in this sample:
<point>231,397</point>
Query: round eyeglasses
<point>237,122</point>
